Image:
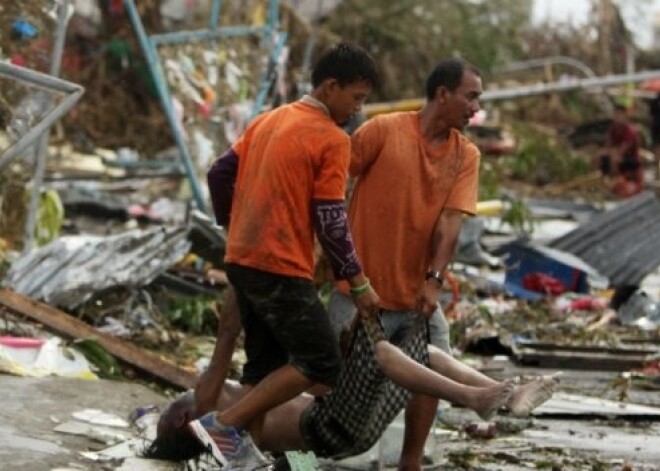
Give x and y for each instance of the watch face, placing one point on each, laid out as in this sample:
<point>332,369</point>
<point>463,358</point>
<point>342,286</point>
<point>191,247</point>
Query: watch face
<point>434,274</point>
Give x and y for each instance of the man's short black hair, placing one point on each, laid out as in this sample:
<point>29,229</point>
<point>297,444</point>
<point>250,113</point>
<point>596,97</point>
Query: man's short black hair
<point>449,74</point>
<point>348,63</point>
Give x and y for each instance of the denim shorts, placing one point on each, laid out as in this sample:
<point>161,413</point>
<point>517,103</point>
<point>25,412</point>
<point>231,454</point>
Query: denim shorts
<point>395,324</point>
<point>284,323</point>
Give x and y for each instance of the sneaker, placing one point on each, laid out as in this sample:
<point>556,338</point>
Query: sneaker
<point>227,444</point>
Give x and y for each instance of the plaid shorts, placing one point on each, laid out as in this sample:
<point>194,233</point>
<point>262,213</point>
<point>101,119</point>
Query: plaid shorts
<point>363,403</point>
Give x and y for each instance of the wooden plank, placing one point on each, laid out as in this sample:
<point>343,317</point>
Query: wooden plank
<point>65,324</point>
<point>577,358</point>
<point>588,349</point>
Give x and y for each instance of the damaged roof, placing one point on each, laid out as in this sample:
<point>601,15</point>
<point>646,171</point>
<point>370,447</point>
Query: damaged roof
<point>622,244</point>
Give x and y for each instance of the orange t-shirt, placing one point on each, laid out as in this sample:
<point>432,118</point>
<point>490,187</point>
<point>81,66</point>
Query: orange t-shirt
<point>402,186</point>
<point>286,158</point>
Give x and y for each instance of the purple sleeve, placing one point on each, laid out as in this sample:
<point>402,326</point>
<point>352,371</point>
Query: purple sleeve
<point>221,178</point>
<point>334,235</point>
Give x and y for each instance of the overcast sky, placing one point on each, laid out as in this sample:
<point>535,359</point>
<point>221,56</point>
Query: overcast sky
<point>576,12</point>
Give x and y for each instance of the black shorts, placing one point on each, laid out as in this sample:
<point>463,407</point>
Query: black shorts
<point>284,323</point>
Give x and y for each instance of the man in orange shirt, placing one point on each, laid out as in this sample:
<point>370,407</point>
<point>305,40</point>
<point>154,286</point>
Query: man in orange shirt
<point>416,176</point>
<point>282,181</point>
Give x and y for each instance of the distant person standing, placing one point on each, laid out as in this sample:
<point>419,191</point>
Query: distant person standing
<point>621,158</point>
<point>654,110</point>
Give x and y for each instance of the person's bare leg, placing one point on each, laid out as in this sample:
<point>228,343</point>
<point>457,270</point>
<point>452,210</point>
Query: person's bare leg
<point>450,367</point>
<point>529,396</point>
<point>419,417</point>
<point>417,378</point>
<point>210,382</point>
<point>524,398</point>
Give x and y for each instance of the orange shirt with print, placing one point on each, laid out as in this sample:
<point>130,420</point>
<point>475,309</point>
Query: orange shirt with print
<point>286,158</point>
<point>401,188</point>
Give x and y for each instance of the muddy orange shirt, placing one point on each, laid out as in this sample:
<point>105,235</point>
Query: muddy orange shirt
<point>286,158</point>
<point>401,188</point>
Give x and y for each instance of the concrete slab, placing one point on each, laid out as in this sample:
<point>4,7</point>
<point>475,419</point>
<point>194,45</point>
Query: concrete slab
<point>33,407</point>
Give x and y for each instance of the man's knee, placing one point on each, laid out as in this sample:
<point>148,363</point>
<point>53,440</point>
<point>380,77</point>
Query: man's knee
<point>320,366</point>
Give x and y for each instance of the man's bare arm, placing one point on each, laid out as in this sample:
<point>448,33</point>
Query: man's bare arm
<point>443,245</point>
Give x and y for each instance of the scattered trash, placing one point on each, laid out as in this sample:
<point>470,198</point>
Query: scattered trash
<point>641,311</point>
<point>103,435</point>
<point>39,357</point>
<point>546,269</point>
<point>98,417</point>
<point>22,29</point>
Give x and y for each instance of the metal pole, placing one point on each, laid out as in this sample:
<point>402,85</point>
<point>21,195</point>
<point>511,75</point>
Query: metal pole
<point>269,75</point>
<point>517,66</point>
<point>522,91</point>
<point>44,82</point>
<point>215,14</point>
<point>151,55</point>
<point>564,60</point>
<point>273,14</point>
<point>55,64</point>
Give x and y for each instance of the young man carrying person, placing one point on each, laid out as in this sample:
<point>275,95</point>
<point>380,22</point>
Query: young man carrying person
<point>416,177</point>
<point>281,182</point>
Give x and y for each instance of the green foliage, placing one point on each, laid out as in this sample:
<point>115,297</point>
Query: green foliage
<point>519,216</point>
<point>408,37</point>
<point>490,177</point>
<point>543,159</point>
<point>104,364</point>
<point>194,314</point>
<point>4,259</point>
<point>50,217</point>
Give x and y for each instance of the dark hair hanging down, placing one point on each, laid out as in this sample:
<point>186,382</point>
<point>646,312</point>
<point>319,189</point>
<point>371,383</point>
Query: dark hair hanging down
<point>176,445</point>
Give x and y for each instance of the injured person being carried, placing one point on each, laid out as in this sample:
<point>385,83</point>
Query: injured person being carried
<point>375,384</point>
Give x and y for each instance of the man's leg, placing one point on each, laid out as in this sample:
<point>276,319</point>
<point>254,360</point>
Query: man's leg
<point>419,416</point>
<point>288,310</point>
<point>421,409</point>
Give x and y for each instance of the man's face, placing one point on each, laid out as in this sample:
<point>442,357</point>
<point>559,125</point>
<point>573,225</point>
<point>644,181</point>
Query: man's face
<point>460,105</point>
<point>344,102</point>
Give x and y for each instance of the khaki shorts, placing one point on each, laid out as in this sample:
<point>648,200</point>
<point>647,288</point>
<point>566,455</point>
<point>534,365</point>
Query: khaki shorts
<point>342,311</point>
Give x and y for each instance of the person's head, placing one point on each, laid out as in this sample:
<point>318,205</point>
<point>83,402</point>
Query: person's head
<point>342,79</point>
<point>454,87</point>
<point>620,114</point>
<point>174,441</point>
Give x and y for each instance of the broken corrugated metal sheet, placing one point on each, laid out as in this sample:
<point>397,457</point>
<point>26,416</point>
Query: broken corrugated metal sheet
<point>70,270</point>
<point>622,244</point>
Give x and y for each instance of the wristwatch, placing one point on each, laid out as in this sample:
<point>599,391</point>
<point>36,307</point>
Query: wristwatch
<point>436,275</point>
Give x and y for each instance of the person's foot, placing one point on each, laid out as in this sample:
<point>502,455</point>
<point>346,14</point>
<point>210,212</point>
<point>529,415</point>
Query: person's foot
<point>492,398</point>
<point>226,444</point>
<point>527,397</point>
